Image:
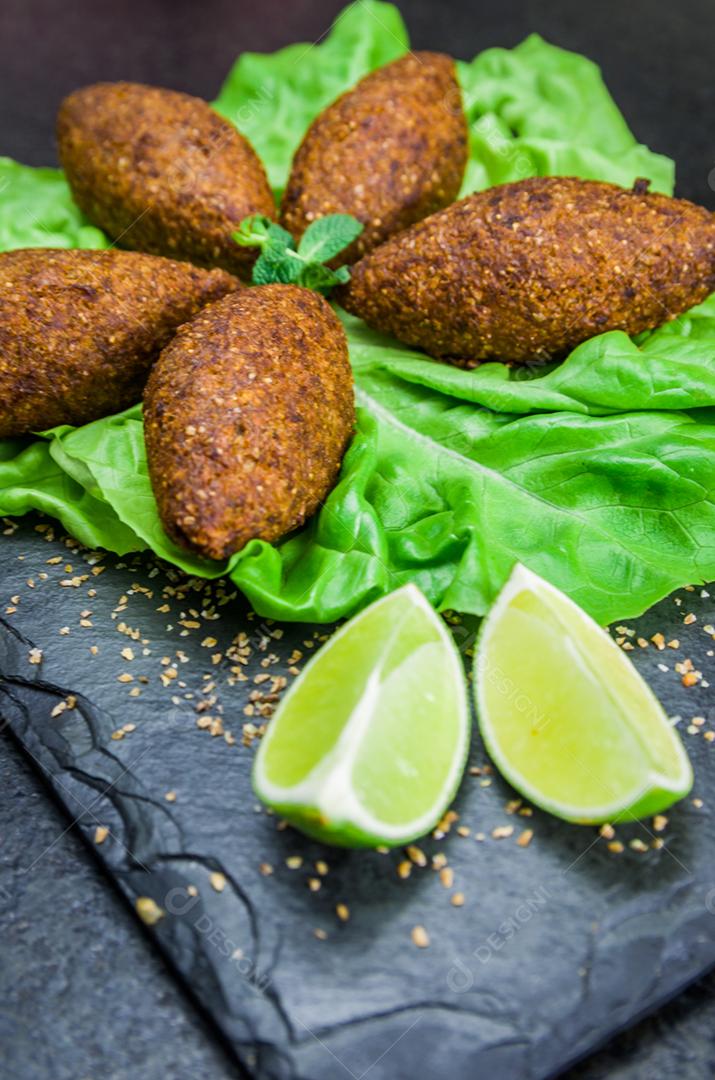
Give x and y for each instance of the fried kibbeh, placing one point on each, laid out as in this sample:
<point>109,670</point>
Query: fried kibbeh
<point>390,151</point>
<point>527,271</point>
<point>247,415</point>
<point>161,172</point>
<point>79,330</point>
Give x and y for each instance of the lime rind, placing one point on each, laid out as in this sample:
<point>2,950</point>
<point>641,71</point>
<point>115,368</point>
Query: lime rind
<point>658,789</point>
<point>324,804</point>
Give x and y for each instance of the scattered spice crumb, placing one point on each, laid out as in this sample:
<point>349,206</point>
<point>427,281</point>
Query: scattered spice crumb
<point>501,832</point>
<point>416,855</point>
<point>446,876</point>
<point>420,937</point>
<point>217,881</point>
<point>148,910</point>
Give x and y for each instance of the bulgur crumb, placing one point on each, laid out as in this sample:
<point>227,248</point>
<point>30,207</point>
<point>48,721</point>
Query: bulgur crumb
<point>148,910</point>
<point>420,937</point>
<point>217,881</point>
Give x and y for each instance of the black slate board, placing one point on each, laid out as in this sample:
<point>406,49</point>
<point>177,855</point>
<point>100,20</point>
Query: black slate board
<point>558,945</point>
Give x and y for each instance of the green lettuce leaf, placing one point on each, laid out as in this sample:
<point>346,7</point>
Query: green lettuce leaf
<point>598,473</point>
<point>36,210</point>
<point>617,511</point>
<point>538,110</point>
<point>668,368</point>
<point>32,480</point>
<point>108,458</point>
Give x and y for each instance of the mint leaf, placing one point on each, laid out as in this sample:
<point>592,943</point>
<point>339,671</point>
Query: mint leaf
<point>279,262</point>
<point>258,231</point>
<point>280,235</point>
<point>328,236</point>
<point>252,232</point>
<point>321,278</point>
<point>271,268</point>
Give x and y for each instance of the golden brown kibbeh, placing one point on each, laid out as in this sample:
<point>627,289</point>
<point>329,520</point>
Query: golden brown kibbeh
<point>529,270</point>
<point>390,152</point>
<point>79,330</point>
<point>161,172</point>
<point>247,416</point>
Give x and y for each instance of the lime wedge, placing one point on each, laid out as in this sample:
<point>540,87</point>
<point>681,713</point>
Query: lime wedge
<point>368,746</point>
<point>565,716</point>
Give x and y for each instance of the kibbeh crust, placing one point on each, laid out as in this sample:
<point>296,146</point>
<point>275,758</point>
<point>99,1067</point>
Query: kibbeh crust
<point>247,414</point>
<point>390,152</point>
<point>161,172</point>
<point>79,330</point>
<point>527,271</point>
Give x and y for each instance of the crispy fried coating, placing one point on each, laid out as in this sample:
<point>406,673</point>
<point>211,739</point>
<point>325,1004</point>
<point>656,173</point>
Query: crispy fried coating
<point>161,172</point>
<point>390,152</point>
<point>79,330</point>
<point>247,416</point>
<point>527,271</point>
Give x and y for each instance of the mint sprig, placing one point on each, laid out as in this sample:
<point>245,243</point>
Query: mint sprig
<point>281,261</point>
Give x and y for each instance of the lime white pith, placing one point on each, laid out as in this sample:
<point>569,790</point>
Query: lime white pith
<point>565,716</point>
<point>369,744</point>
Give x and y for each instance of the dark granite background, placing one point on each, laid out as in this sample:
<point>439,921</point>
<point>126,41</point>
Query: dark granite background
<point>83,993</point>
